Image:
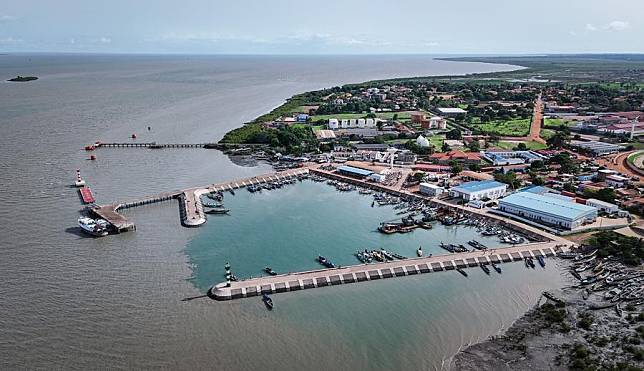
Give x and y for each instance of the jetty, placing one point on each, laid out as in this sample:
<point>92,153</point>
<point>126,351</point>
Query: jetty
<point>191,209</point>
<point>153,145</point>
<point>370,272</point>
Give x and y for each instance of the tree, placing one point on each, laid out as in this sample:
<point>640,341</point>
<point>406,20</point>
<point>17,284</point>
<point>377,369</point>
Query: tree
<point>604,194</point>
<point>445,147</point>
<point>456,167</point>
<point>475,167</point>
<point>474,146</point>
<point>535,165</point>
<point>394,117</point>
<point>521,147</point>
<point>454,134</point>
<point>509,179</point>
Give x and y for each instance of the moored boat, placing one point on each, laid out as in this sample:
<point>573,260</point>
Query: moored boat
<point>496,268</point>
<point>270,271</point>
<point>94,227</point>
<point>485,268</point>
<point>267,301</point>
<point>419,251</point>
<point>542,261</point>
<point>322,260</point>
<point>218,211</point>
<point>461,271</point>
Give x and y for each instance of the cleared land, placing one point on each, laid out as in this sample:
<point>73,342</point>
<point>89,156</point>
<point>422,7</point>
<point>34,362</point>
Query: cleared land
<point>509,128</point>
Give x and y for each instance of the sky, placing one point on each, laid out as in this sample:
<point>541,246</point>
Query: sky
<point>323,27</point>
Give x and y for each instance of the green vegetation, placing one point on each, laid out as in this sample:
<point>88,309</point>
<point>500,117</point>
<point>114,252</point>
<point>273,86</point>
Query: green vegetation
<point>534,146</point>
<point>509,128</point>
<point>554,123</point>
<point>291,138</point>
<point>629,250</point>
<point>604,194</point>
<point>509,179</point>
<point>633,158</point>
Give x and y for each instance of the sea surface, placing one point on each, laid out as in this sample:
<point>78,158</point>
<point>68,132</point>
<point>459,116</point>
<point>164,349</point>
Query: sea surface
<point>73,302</point>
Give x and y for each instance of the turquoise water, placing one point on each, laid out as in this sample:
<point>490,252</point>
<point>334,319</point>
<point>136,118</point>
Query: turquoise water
<point>288,228</point>
<point>416,322</point>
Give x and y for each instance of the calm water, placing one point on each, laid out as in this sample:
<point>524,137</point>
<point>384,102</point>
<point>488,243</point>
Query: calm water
<point>79,303</point>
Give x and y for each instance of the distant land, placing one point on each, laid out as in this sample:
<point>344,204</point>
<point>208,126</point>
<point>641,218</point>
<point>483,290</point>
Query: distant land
<point>23,78</point>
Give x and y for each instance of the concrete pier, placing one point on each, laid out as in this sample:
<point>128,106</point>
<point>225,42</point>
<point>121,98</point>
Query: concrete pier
<point>369,272</point>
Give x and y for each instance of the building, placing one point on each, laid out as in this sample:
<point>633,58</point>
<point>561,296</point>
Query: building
<point>600,205</point>
<point>325,135</point>
<point>431,190</point>
<point>598,148</point>
<point>548,210</point>
<point>302,117</point>
<point>437,122</point>
<point>477,190</point>
<point>451,112</point>
<point>500,158</point>
<point>333,124</point>
<point>378,178</point>
<point>434,122</point>
<point>371,146</point>
<point>460,157</point>
<point>617,181</point>
<point>355,172</point>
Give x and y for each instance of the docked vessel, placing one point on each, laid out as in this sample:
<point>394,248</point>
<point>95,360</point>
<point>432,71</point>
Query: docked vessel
<point>219,211</point>
<point>267,301</point>
<point>270,271</point>
<point>461,271</point>
<point>419,252</point>
<point>322,260</point>
<point>94,227</point>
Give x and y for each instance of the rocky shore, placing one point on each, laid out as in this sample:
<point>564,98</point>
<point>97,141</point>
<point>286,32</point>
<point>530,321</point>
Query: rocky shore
<point>574,328</point>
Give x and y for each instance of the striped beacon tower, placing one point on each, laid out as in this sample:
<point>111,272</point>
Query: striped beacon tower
<point>79,181</point>
<point>228,274</point>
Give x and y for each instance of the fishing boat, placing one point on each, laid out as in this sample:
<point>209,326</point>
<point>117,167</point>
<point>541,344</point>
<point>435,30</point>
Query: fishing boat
<point>94,227</point>
<point>322,260</point>
<point>398,256</point>
<point>529,263</point>
<point>218,211</point>
<point>542,261</point>
<point>419,251</point>
<point>270,271</point>
<point>267,301</point>
<point>575,274</point>
<point>485,268</point>
<point>461,271</point>
<point>232,192</point>
<point>496,268</point>
<point>217,205</point>
<point>386,254</point>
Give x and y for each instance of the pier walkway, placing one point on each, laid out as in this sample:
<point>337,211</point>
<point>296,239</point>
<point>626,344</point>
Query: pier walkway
<point>191,208</point>
<point>152,145</point>
<point>369,272</point>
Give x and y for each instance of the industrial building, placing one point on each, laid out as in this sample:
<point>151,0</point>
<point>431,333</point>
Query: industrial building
<point>355,172</point>
<point>600,205</point>
<point>598,148</point>
<point>479,190</point>
<point>500,158</point>
<point>548,210</point>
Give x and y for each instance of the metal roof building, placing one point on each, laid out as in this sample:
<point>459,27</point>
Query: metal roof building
<point>477,190</point>
<point>548,210</point>
<point>354,171</point>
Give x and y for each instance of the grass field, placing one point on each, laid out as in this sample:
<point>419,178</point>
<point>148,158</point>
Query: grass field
<point>510,128</point>
<point>555,123</point>
<point>406,115</point>
<point>510,145</point>
<point>635,158</point>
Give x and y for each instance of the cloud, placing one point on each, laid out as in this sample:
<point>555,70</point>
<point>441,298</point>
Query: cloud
<point>432,44</point>
<point>9,41</point>
<point>105,40</point>
<point>590,27</point>
<point>617,26</point>
<point>7,18</point>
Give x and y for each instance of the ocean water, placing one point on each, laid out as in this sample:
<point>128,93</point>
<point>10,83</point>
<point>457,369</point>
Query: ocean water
<point>72,302</point>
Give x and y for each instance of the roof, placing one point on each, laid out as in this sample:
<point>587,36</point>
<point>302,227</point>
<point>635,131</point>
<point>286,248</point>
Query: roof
<point>429,185</point>
<point>601,203</point>
<point>355,170</point>
<point>478,186</point>
<point>457,155</point>
<point>548,205</point>
<point>452,110</point>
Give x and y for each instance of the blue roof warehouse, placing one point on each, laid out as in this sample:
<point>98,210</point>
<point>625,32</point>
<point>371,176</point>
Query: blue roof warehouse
<point>548,210</point>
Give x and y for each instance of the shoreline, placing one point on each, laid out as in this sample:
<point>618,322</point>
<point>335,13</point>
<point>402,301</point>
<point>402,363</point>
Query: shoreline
<point>561,336</point>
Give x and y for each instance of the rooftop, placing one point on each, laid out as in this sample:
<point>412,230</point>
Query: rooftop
<point>548,205</point>
<point>452,110</point>
<point>477,186</point>
<point>355,170</point>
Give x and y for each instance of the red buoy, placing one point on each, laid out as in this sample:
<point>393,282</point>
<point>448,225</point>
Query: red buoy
<point>133,136</point>
<point>89,148</point>
<point>92,157</point>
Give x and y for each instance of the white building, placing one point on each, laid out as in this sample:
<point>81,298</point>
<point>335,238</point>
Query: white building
<point>616,181</point>
<point>477,190</point>
<point>431,190</point>
<point>361,123</point>
<point>600,205</point>
<point>344,124</point>
<point>437,122</point>
<point>333,124</point>
<point>378,178</point>
<point>371,123</point>
<point>548,210</point>
<point>421,141</point>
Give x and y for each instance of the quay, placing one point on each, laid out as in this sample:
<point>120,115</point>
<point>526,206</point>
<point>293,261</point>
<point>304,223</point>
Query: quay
<point>375,271</point>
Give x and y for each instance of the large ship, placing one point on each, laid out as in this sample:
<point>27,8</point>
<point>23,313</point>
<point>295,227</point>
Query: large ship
<point>94,227</point>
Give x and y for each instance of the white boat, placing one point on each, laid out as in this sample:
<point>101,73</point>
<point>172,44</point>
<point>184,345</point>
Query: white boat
<point>419,252</point>
<point>97,228</point>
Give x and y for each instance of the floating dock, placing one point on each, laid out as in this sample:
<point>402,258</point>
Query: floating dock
<point>86,195</point>
<point>369,272</point>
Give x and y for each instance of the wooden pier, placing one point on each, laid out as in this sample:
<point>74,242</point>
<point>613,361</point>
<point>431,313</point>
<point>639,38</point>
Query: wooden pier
<point>369,272</point>
<point>154,145</point>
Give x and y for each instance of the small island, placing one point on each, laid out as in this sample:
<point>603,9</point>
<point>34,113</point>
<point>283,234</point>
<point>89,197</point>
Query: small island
<point>23,78</point>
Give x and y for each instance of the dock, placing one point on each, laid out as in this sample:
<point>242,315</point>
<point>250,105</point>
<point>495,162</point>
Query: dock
<point>376,271</point>
<point>153,145</point>
<point>191,209</point>
<point>86,195</point>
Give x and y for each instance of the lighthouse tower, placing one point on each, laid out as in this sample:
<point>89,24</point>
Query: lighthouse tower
<point>79,181</point>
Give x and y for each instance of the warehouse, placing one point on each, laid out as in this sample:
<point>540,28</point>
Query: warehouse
<point>548,210</point>
<point>431,190</point>
<point>481,190</point>
<point>355,172</point>
<point>606,207</point>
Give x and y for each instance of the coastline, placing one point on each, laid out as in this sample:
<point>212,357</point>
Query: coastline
<point>579,330</point>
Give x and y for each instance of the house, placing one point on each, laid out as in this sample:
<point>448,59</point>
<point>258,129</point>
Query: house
<point>451,112</point>
<point>460,157</point>
<point>431,190</point>
<point>616,181</point>
<point>302,117</point>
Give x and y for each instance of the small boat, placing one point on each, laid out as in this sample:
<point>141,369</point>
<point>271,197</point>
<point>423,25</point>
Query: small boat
<point>94,227</point>
<point>322,260</point>
<point>485,268</point>
<point>461,271</point>
<point>270,271</point>
<point>496,268</point>
<point>618,310</point>
<point>232,192</point>
<point>575,274</point>
<point>542,261</point>
<point>267,301</point>
<point>419,252</point>
<point>218,211</point>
